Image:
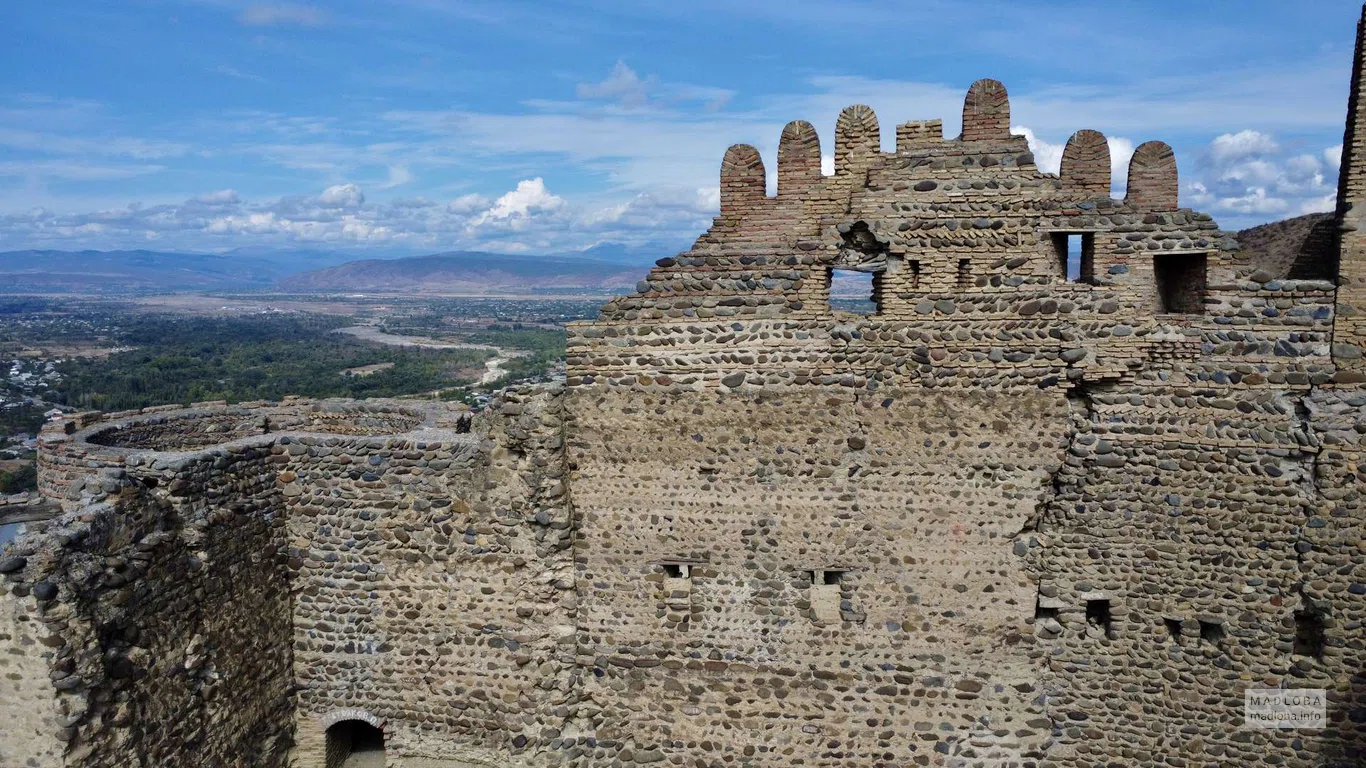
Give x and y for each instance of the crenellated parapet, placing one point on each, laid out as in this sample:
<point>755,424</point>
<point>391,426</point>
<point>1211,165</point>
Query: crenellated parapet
<point>986,112</point>
<point>952,233</point>
<point>1086,164</point>
<point>799,160</point>
<point>1152,177</point>
<point>858,140</point>
<point>742,182</point>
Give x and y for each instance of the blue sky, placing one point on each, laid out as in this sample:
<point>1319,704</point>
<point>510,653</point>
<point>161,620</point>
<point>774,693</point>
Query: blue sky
<point>427,125</point>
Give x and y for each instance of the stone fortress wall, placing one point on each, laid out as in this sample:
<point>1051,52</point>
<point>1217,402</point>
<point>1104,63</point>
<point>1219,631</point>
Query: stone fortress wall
<point>1012,516</point>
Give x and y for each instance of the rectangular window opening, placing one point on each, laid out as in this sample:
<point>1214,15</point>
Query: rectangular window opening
<point>1309,633</point>
<point>1181,283</point>
<point>1075,253</point>
<point>1098,615</point>
<point>1044,612</point>
<point>827,578</point>
<point>1173,629</point>
<point>964,277</point>
<point>915,273</point>
<point>856,291</point>
<point>676,570</point>
<point>1211,632</point>
<point>828,604</point>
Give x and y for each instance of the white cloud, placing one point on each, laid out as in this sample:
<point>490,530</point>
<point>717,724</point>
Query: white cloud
<point>108,146</point>
<point>1256,201</point>
<point>221,197</point>
<point>1229,147</point>
<point>1047,156</point>
<point>468,204</point>
<point>282,14</point>
<point>234,72</point>
<point>1325,204</point>
<point>1249,178</point>
<point>342,196</point>
<point>622,85</point>
<point>398,176</point>
<point>529,198</point>
<point>66,170</point>
<point>628,90</point>
<point>1121,152</point>
<point>528,218</point>
<point>1333,156</point>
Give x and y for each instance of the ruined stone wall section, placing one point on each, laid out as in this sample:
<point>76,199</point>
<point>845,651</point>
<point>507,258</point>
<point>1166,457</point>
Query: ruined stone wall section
<point>183,612</point>
<point>1182,512</point>
<point>1332,569</point>
<point>76,444</point>
<point>433,588</point>
<point>165,613</point>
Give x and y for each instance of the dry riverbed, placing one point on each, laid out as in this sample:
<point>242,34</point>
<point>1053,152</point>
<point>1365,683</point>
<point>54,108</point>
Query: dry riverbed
<point>493,367</point>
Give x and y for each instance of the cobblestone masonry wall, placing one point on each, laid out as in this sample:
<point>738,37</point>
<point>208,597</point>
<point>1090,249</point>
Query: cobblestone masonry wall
<point>1165,487</point>
<point>163,616</point>
<point>1014,516</point>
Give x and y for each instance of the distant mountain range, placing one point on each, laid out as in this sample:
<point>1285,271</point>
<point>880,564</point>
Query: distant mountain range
<point>469,272</point>
<point>129,271</point>
<point>605,267</point>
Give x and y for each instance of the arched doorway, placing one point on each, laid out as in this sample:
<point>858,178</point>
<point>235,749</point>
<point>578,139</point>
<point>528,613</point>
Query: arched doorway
<point>355,744</point>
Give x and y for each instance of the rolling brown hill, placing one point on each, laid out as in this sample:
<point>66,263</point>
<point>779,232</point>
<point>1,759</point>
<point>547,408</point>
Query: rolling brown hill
<point>1301,248</point>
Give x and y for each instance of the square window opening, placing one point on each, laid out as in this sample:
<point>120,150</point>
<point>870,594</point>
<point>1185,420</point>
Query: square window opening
<point>1043,612</point>
<point>827,578</point>
<point>1075,253</point>
<point>1098,615</point>
<point>1181,283</point>
<point>855,290</point>
<point>1173,629</point>
<point>1309,633</point>
<point>1211,632</point>
<point>676,570</point>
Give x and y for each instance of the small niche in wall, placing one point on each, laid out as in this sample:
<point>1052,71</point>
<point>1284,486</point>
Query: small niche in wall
<point>1181,283</point>
<point>963,278</point>
<point>1309,634</point>
<point>676,570</point>
<point>827,595</point>
<point>1098,615</point>
<point>1042,611</point>
<point>914,267</point>
<point>1075,254</point>
<point>1173,629</point>
<point>1211,632</point>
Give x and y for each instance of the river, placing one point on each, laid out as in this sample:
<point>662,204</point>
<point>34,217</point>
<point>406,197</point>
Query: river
<point>493,367</point>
